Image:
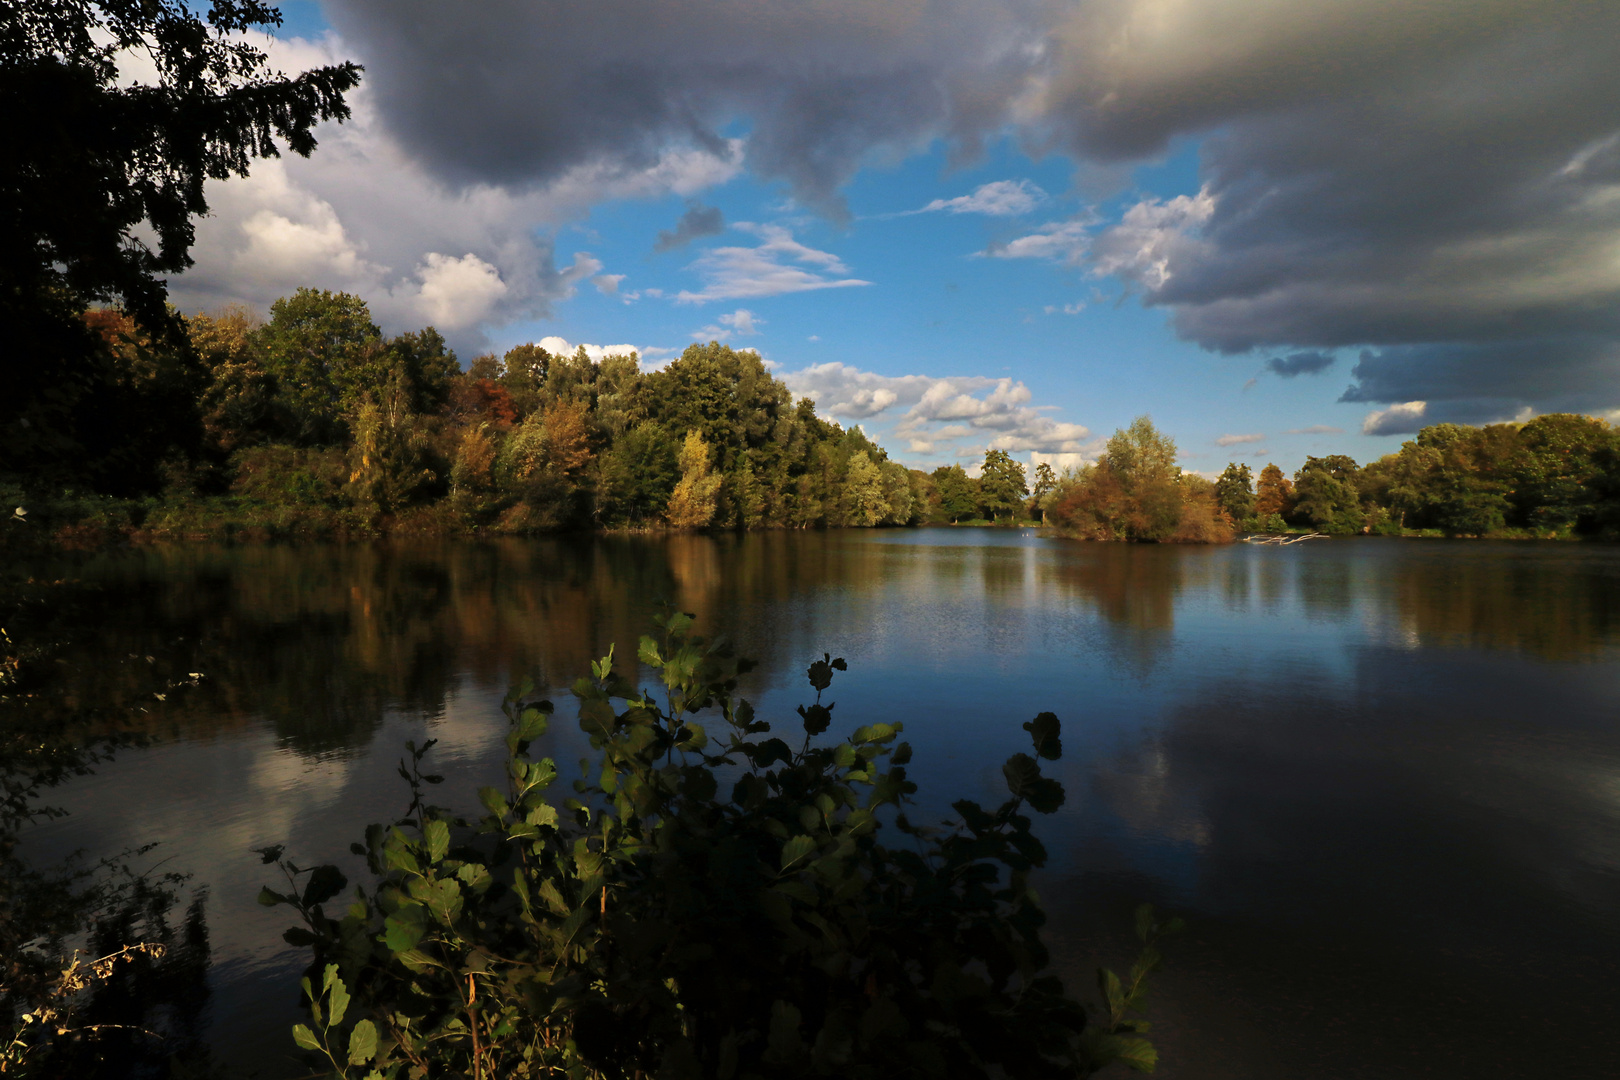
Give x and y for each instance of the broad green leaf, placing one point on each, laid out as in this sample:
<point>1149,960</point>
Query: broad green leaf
<point>437,835</point>
<point>337,999</point>
<point>362,1043</point>
<point>305,1037</point>
<point>797,850</point>
<point>405,927</point>
<point>493,801</point>
<point>544,814</point>
<point>269,898</point>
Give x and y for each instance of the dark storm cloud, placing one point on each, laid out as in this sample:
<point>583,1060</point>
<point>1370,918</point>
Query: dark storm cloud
<point>511,92</point>
<point>1479,383</point>
<point>1300,363</point>
<point>698,221</point>
<point>1439,181</point>
<point>1424,180</point>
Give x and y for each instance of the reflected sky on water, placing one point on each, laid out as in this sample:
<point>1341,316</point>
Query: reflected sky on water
<point>1382,777</point>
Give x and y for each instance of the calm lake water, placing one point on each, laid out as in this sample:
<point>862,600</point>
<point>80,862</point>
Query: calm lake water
<point>1381,778</point>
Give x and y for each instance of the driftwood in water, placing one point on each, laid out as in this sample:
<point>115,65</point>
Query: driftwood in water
<point>1284,541</point>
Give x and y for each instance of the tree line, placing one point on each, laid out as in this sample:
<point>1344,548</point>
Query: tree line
<point>315,407</point>
<point>1555,476</point>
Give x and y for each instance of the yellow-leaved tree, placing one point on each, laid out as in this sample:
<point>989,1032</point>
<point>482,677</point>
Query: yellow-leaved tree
<point>692,503</point>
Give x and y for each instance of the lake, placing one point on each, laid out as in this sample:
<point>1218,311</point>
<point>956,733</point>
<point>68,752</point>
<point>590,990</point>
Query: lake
<point>1380,778</point>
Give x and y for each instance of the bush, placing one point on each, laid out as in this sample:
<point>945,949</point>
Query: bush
<point>649,925</point>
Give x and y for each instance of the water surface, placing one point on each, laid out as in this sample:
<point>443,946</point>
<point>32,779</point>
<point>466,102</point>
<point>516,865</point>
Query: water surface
<point>1380,777</point>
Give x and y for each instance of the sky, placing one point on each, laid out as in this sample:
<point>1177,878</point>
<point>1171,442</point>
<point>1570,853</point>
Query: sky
<point>1279,229</point>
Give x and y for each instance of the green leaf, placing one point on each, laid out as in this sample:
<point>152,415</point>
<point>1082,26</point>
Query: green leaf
<point>269,898</point>
<point>1137,1054</point>
<point>305,1037</point>
<point>405,927</point>
<point>362,1043</point>
<point>437,835</point>
<point>544,814</point>
<point>797,850</point>
<point>337,998</point>
<point>493,801</point>
<point>648,653</point>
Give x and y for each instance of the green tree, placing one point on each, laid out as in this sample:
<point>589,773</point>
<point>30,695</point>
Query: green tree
<point>1001,484</point>
<point>1234,492</point>
<point>102,178</point>
<point>864,501</point>
<point>639,473</point>
<point>325,353</point>
<point>1554,474</point>
<point>1328,495</point>
<point>958,492</point>
<point>1046,483</point>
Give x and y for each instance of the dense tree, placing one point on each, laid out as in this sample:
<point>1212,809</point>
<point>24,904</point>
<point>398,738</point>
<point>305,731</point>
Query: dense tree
<point>1328,495</point>
<point>1135,491</point>
<point>958,492</point>
<point>1555,475</point>
<point>99,185</point>
<point>1002,488</point>
<point>1234,491</point>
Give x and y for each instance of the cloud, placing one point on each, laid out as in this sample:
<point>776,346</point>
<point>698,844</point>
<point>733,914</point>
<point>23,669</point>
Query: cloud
<point>1059,241</point>
<point>999,198</point>
<point>558,346</point>
<point>697,221</point>
<point>513,94</point>
<point>1068,309</point>
<point>742,322</point>
<point>742,272</point>
<point>1238,440</point>
<point>607,284</point>
<point>1417,180</point>
<point>364,215</point>
<point>1403,419</point>
<point>951,416</point>
<point>1315,429</point>
<point>1153,237</point>
<point>1300,363</point>
<point>1401,177</point>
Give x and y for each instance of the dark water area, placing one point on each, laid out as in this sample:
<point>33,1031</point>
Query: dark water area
<point>1380,778</point>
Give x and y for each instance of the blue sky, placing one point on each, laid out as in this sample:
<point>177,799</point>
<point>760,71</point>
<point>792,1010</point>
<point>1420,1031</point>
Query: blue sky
<point>983,225</point>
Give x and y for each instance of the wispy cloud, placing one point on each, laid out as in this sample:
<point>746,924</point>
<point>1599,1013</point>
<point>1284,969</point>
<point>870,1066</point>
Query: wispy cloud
<point>999,198</point>
<point>1058,241</point>
<point>1315,429</point>
<point>766,270</point>
<point>741,322</point>
<point>1239,440</point>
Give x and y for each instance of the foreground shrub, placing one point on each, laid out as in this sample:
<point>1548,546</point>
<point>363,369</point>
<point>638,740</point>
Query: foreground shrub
<point>650,926</point>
